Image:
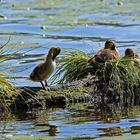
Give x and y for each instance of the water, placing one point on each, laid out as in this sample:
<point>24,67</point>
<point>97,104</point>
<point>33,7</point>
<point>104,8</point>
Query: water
<point>35,25</point>
<point>77,121</point>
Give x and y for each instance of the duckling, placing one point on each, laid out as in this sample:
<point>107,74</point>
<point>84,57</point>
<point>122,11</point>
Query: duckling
<point>129,53</point>
<point>43,71</point>
<point>109,52</point>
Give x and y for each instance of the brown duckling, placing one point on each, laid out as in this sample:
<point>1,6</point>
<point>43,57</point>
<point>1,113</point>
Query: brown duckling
<point>109,52</point>
<point>131,55</point>
<point>43,71</point>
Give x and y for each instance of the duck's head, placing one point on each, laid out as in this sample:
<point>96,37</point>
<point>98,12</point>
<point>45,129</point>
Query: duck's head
<point>109,44</point>
<point>53,52</point>
<point>131,53</point>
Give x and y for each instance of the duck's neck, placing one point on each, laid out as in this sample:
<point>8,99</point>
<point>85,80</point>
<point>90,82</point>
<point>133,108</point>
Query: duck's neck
<point>49,58</point>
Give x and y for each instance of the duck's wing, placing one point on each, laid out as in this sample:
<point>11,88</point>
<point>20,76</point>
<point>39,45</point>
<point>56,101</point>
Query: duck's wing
<point>95,56</point>
<point>36,73</point>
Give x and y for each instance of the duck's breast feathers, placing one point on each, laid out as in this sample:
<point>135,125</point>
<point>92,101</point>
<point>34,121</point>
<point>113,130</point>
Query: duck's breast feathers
<point>48,69</point>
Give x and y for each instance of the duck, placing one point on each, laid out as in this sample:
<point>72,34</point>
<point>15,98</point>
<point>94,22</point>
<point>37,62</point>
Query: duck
<point>132,56</point>
<point>44,70</point>
<point>109,52</point>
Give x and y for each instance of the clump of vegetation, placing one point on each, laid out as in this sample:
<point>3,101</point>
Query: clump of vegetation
<point>7,90</point>
<point>72,66</point>
<point>116,77</point>
<point>123,78</point>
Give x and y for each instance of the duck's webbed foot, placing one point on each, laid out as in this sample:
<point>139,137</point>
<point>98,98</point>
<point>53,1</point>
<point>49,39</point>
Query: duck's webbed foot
<point>45,87</point>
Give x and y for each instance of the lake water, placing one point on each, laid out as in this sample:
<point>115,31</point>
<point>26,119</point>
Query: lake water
<point>76,122</point>
<point>34,26</point>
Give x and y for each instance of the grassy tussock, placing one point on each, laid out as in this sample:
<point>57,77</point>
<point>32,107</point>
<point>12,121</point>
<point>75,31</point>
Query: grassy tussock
<point>122,75</point>
<point>118,76</point>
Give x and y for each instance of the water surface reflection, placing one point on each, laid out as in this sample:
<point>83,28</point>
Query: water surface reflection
<point>76,121</point>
